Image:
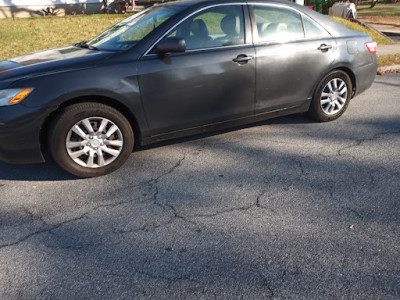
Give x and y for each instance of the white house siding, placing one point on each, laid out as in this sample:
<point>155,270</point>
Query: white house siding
<point>44,2</point>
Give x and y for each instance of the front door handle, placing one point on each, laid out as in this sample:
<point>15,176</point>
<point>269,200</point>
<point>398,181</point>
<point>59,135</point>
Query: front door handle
<point>324,47</point>
<point>242,59</point>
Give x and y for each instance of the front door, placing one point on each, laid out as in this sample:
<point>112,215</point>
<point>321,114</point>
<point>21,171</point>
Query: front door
<point>212,81</point>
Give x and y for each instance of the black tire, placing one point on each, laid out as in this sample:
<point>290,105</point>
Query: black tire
<point>108,145</point>
<point>321,104</point>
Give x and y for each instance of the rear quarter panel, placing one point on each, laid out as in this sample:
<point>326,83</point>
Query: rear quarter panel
<point>354,55</point>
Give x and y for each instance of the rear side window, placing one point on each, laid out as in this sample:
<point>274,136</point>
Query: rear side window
<point>277,23</point>
<point>313,30</point>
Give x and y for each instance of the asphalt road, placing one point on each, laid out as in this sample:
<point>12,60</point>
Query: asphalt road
<point>287,208</point>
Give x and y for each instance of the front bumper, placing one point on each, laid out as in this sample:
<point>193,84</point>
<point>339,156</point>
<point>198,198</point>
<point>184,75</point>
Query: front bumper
<point>20,129</point>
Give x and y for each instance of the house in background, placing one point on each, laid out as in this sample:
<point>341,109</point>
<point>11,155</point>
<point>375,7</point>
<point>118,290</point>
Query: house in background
<point>32,8</point>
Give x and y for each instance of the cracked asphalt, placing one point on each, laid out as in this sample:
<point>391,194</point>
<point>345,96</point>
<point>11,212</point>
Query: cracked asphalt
<point>287,208</point>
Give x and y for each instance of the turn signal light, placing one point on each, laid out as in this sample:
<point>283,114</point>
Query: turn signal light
<point>371,46</point>
<point>20,96</point>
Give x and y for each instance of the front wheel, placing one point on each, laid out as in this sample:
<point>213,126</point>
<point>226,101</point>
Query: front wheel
<point>332,97</point>
<point>90,139</point>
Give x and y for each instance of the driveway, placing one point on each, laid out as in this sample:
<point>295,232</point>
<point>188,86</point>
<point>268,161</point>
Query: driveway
<point>287,208</point>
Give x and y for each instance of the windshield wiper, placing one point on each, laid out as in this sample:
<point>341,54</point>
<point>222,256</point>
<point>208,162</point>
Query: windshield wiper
<point>84,44</point>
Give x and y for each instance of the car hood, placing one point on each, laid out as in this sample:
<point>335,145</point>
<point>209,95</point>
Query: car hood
<point>49,62</point>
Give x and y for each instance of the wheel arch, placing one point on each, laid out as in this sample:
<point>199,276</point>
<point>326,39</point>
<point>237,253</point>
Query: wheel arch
<point>352,76</point>
<point>346,70</point>
<point>123,109</point>
<point>315,110</point>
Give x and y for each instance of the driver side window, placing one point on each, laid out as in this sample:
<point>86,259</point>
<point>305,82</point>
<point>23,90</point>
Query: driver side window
<point>214,27</point>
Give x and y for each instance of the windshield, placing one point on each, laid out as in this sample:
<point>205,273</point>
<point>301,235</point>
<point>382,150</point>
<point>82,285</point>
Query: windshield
<point>127,33</point>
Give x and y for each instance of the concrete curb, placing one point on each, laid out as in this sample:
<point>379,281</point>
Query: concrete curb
<point>371,28</point>
<point>388,69</point>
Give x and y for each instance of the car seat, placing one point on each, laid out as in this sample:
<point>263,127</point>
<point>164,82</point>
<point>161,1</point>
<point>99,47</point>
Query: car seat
<point>228,26</point>
<point>199,37</point>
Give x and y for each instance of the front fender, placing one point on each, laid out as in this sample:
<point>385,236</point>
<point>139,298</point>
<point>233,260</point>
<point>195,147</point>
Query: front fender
<point>116,83</point>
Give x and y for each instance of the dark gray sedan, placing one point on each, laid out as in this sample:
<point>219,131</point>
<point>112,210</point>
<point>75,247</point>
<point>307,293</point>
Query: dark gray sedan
<point>173,70</point>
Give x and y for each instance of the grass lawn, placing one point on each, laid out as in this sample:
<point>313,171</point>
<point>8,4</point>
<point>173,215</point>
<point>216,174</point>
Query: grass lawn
<point>388,60</point>
<point>377,8</point>
<point>391,13</point>
<point>27,35</point>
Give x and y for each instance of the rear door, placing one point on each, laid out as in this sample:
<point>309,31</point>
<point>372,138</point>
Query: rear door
<point>212,81</point>
<point>292,53</point>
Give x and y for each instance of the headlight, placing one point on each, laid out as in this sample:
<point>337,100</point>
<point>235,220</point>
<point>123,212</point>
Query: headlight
<point>13,96</point>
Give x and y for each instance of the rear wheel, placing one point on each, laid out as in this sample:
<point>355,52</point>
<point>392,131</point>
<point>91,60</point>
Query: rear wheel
<point>331,97</point>
<point>90,139</point>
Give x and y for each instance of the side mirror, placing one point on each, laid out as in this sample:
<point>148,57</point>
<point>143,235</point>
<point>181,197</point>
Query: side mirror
<point>171,44</point>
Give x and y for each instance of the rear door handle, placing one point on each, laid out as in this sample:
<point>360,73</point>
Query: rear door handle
<point>324,47</point>
<point>242,59</point>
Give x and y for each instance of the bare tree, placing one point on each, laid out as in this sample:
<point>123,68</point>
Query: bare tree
<point>373,3</point>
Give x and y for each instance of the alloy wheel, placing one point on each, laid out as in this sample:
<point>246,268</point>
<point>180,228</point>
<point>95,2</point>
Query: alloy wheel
<point>94,142</point>
<point>333,96</point>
